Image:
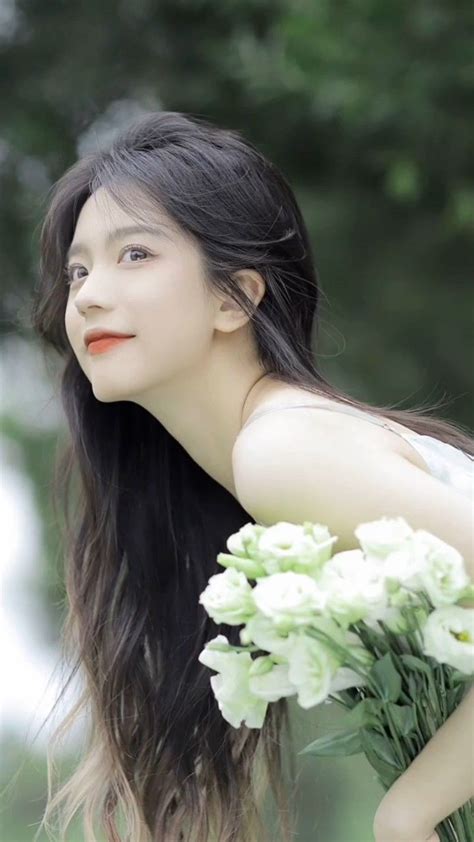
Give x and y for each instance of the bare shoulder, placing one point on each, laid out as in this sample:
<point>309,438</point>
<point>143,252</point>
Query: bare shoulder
<point>302,437</point>
<point>295,466</point>
<point>312,424</point>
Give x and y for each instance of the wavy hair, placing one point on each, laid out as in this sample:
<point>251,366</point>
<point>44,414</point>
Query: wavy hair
<point>160,763</point>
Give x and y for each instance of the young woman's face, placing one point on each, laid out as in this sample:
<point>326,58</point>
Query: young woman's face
<point>147,284</point>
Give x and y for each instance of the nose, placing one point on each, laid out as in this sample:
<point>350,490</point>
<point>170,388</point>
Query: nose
<point>93,293</point>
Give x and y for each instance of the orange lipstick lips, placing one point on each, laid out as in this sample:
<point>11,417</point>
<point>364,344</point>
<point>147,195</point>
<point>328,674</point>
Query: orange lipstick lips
<point>104,344</point>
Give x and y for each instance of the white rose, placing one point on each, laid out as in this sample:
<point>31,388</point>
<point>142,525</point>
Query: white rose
<point>216,653</point>
<point>355,587</point>
<point>448,636</point>
<point>344,678</point>
<point>270,681</point>
<point>316,669</point>
<point>228,598</point>
<point>231,686</point>
<point>354,645</point>
<point>242,543</point>
<point>261,631</point>
<point>299,548</point>
<point>443,575</point>
<point>379,538</point>
<point>325,623</point>
<point>403,569</point>
<point>288,599</point>
<point>311,670</point>
<point>393,618</point>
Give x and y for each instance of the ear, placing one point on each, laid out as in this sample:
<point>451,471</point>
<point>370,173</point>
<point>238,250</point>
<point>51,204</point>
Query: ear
<point>230,314</point>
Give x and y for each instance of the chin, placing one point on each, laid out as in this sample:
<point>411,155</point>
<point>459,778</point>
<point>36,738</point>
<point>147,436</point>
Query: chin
<point>107,395</point>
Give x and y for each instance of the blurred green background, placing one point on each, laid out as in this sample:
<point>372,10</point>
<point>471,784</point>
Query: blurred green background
<point>367,107</point>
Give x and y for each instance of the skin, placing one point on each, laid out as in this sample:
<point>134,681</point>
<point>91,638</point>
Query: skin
<point>439,781</point>
<point>192,364</point>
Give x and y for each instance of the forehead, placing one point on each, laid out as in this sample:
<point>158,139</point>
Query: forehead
<point>103,220</point>
<point>101,212</point>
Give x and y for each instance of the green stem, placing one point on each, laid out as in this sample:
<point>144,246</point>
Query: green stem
<point>342,653</point>
<point>430,694</point>
<point>433,697</point>
<point>446,831</point>
<point>467,815</point>
<point>427,729</point>
<point>404,695</point>
<point>405,762</point>
<point>443,693</point>
<point>340,702</point>
<point>414,746</point>
<point>458,823</point>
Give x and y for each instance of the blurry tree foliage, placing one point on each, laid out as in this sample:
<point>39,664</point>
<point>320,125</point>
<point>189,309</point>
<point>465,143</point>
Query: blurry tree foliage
<point>366,106</point>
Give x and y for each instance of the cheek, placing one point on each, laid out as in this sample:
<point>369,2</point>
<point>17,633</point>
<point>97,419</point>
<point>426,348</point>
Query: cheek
<point>74,330</point>
<point>178,322</point>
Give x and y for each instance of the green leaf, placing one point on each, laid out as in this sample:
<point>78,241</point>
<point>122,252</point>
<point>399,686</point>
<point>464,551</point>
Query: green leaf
<point>381,746</point>
<point>379,753</point>
<point>462,677</point>
<point>413,686</point>
<point>372,639</point>
<point>387,678</point>
<point>416,664</point>
<point>403,717</point>
<point>364,714</point>
<point>466,595</point>
<point>251,568</point>
<point>387,771</point>
<point>341,744</point>
<point>454,697</point>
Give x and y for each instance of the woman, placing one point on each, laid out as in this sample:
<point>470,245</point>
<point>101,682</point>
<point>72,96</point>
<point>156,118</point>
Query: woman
<point>185,239</point>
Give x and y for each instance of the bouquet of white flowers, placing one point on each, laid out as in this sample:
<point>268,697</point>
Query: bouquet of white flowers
<point>376,630</point>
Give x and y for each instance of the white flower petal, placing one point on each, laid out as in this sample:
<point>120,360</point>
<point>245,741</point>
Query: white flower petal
<point>448,636</point>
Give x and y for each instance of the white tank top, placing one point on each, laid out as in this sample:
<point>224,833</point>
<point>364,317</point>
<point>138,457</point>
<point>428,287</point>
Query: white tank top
<point>444,461</point>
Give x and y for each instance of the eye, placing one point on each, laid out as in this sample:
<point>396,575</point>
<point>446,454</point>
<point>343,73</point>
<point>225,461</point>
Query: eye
<point>135,249</point>
<point>69,270</point>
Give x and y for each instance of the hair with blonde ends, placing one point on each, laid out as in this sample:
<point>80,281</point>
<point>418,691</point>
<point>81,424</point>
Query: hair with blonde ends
<point>143,523</point>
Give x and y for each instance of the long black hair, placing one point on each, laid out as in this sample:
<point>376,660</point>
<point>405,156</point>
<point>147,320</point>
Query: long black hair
<point>147,522</point>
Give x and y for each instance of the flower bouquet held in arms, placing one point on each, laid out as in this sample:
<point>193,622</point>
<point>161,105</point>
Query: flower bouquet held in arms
<point>376,630</point>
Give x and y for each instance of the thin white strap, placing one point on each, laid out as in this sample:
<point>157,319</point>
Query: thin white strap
<point>411,438</point>
<point>349,411</point>
<point>346,410</point>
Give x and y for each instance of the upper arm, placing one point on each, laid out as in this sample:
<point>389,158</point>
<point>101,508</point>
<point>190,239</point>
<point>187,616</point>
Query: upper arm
<point>296,472</point>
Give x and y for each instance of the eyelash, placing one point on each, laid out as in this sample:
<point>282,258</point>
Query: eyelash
<point>133,247</point>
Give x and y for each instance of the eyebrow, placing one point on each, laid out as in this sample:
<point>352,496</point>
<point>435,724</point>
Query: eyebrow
<point>112,236</point>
